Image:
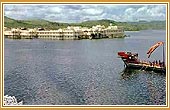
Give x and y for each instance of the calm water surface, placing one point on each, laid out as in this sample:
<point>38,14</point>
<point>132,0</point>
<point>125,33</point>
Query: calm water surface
<point>82,72</point>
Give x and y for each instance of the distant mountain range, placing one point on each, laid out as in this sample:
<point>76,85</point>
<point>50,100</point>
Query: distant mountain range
<point>40,23</point>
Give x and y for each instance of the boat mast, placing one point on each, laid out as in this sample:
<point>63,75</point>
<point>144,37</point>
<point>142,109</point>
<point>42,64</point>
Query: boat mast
<point>163,56</point>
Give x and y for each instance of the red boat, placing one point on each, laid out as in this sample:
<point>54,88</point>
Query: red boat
<point>131,61</point>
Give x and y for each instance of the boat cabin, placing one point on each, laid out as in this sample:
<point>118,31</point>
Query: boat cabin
<point>129,57</point>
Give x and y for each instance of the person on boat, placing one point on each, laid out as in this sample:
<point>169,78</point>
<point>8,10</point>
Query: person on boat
<point>150,63</point>
<point>153,63</point>
<point>163,63</point>
<point>160,62</point>
<point>156,62</point>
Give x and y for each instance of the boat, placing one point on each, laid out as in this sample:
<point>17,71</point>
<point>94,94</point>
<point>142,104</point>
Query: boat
<point>132,61</point>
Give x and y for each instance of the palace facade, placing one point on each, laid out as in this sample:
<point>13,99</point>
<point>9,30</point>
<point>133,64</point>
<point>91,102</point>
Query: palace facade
<point>70,33</point>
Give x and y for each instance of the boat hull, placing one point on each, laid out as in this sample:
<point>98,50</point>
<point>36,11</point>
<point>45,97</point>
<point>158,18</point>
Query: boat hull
<point>146,67</point>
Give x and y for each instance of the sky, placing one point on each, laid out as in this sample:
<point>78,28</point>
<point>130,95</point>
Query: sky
<point>82,12</point>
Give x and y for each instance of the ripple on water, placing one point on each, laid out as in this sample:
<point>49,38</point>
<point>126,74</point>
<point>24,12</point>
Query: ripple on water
<point>83,72</point>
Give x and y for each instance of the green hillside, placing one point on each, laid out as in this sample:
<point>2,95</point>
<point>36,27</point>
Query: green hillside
<point>12,23</point>
<point>128,26</point>
<point>95,22</point>
<point>144,25</point>
<point>8,22</point>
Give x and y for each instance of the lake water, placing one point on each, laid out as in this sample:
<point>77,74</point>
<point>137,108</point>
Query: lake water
<point>82,72</point>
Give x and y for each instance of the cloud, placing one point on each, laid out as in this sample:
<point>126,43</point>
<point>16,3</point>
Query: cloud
<point>146,13</point>
<point>55,10</point>
<point>92,11</point>
<point>79,12</point>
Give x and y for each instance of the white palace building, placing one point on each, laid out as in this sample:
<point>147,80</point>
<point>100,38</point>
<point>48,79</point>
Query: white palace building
<point>70,33</point>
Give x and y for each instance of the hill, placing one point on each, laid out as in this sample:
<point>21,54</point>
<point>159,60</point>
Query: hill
<point>128,26</point>
<point>35,23</point>
<point>144,25</point>
<point>95,22</point>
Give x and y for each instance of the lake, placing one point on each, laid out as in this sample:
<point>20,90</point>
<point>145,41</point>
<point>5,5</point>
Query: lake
<point>83,72</point>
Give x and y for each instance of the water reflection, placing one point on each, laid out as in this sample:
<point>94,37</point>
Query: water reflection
<point>148,88</point>
<point>127,73</point>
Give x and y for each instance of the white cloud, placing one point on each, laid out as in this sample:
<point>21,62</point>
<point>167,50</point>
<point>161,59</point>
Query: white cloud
<point>143,9</point>
<point>55,9</point>
<point>129,12</point>
<point>92,11</point>
<point>78,13</point>
<point>145,13</point>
